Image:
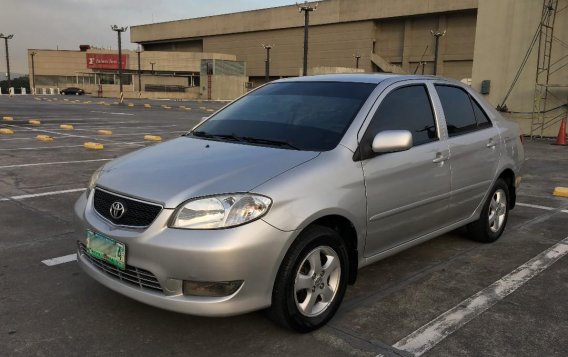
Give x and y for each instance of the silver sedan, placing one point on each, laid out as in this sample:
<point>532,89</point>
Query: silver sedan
<point>280,197</point>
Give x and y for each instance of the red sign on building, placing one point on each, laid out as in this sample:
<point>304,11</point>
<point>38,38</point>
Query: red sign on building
<point>105,61</point>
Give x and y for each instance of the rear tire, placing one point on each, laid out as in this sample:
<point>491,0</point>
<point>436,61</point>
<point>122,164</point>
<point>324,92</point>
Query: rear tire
<point>312,280</point>
<point>491,224</point>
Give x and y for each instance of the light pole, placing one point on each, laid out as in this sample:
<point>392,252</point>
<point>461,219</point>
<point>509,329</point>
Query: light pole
<point>119,31</point>
<point>33,53</point>
<point>306,8</point>
<point>357,58</point>
<point>138,51</point>
<point>6,38</point>
<point>267,71</point>
<point>437,34</point>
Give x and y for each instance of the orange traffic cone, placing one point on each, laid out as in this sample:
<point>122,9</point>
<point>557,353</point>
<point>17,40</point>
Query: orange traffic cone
<point>561,139</point>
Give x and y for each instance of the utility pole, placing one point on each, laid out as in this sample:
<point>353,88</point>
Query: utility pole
<point>119,31</point>
<point>306,8</point>
<point>152,64</point>
<point>357,58</point>
<point>437,34</point>
<point>6,38</point>
<point>267,71</point>
<point>138,51</point>
<point>33,53</point>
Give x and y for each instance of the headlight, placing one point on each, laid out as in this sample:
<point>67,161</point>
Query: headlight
<point>222,211</point>
<point>94,178</point>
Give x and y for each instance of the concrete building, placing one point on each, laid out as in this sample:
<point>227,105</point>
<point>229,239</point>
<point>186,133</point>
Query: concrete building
<point>505,29</point>
<point>383,32</point>
<point>485,40</point>
<point>162,74</point>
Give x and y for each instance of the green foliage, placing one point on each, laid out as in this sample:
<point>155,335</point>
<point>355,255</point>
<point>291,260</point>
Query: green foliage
<point>17,83</point>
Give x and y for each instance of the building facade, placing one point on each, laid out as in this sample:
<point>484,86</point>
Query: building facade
<point>150,74</point>
<point>382,32</point>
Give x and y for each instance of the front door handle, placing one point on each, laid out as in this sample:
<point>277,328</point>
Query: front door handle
<point>439,158</point>
<point>491,144</point>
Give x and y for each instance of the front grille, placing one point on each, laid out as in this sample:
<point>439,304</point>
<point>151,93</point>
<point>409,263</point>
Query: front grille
<point>137,213</point>
<point>130,275</point>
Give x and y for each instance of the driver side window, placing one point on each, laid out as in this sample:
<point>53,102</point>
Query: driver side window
<point>405,108</point>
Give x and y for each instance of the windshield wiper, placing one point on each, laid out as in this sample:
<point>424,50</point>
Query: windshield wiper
<point>270,142</point>
<point>247,139</point>
<point>201,134</point>
<point>228,136</point>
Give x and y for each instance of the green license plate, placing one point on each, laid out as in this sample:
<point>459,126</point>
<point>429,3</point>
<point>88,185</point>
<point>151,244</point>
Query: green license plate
<point>104,248</point>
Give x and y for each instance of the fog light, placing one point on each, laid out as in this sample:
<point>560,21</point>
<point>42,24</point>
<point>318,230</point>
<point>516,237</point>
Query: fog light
<point>211,288</point>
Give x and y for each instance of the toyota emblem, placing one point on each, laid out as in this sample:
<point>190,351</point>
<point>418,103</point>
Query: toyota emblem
<point>117,210</point>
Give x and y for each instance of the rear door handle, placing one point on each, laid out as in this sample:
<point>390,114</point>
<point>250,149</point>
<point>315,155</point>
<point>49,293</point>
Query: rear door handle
<point>491,144</point>
<point>439,158</point>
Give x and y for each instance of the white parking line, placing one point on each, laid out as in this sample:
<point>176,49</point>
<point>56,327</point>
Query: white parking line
<point>52,163</point>
<point>33,195</point>
<point>535,206</point>
<point>429,335</point>
<point>60,260</point>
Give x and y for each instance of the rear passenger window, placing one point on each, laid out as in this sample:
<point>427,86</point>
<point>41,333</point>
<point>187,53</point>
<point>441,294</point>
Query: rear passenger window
<point>406,108</point>
<point>482,119</point>
<point>458,110</point>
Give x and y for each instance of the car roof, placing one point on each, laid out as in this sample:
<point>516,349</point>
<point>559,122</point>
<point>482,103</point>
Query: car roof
<point>374,78</point>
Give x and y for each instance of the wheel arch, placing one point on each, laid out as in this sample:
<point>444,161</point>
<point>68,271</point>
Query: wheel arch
<point>347,231</point>
<point>508,175</point>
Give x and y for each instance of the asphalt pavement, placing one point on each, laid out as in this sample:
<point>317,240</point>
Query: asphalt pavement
<point>447,297</point>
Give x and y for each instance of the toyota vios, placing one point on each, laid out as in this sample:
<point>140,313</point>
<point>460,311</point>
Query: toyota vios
<point>279,198</point>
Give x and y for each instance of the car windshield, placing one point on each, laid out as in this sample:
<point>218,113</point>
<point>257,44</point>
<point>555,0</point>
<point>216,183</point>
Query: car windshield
<point>311,116</point>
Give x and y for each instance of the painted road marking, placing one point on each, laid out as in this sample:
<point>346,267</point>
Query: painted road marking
<point>536,206</point>
<point>71,135</point>
<point>33,195</point>
<point>60,260</point>
<point>429,335</point>
<point>73,146</point>
<point>52,163</point>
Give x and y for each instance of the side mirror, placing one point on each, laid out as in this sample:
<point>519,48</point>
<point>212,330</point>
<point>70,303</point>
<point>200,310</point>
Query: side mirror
<point>392,141</point>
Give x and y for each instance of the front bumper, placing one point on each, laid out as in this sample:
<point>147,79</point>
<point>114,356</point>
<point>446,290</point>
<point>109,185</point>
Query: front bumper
<point>252,253</point>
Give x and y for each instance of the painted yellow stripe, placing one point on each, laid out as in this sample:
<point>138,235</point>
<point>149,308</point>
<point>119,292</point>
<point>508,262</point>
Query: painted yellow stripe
<point>66,126</point>
<point>6,131</point>
<point>104,132</point>
<point>7,118</point>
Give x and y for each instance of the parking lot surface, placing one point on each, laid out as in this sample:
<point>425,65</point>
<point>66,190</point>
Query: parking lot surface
<point>447,297</point>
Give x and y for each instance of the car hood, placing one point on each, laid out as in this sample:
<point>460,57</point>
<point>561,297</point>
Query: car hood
<point>183,168</point>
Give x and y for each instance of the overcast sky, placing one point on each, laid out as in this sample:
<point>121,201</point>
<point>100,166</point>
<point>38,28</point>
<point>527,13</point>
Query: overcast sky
<point>65,24</point>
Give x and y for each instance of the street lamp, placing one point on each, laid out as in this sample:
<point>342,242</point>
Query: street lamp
<point>119,31</point>
<point>437,34</point>
<point>267,72</point>
<point>6,38</point>
<point>306,8</point>
<point>33,53</point>
<point>357,58</point>
<point>138,51</point>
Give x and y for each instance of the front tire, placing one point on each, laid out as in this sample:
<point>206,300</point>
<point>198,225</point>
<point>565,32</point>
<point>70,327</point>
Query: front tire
<point>490,226</point>
<point>312,280</point>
